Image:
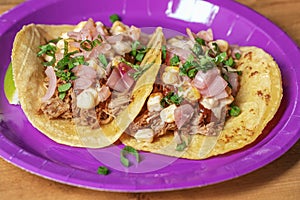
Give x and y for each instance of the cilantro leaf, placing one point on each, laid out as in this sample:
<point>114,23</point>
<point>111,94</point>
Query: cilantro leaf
<point>113,18</point>
<point>164,52</point>
<point>129,150</point>
<point>103,60</point>
<point>64,87</point>
<point>174,60</point>
<point>134,47</point>
<point>171,98</point>
<point>102,170</point>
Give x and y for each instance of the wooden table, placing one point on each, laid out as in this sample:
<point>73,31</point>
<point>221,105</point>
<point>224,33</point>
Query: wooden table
<point>278,180</point>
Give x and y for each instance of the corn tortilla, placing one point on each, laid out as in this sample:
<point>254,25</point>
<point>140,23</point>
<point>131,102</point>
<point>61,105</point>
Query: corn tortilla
<point>29,76</point>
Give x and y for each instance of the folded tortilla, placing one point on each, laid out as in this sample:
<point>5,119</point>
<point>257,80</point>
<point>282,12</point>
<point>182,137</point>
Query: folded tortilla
<point>258,98</point>
<point>29,76</point>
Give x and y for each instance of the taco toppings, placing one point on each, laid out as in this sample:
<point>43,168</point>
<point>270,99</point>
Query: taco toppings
<point>209,98</point>
<point>91,69</point>
<point>194,90</point>
<point>83,79</point>
<point>189,96</point>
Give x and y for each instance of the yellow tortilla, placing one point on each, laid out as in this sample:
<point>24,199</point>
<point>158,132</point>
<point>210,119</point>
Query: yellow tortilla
<point>259,98</point>
<point>29,76</point>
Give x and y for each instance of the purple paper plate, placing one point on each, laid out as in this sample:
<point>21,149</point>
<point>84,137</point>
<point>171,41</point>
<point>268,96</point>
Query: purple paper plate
<point>27,148</point>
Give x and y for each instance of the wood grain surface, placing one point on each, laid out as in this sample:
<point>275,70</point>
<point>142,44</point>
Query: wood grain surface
<point>278,180</point>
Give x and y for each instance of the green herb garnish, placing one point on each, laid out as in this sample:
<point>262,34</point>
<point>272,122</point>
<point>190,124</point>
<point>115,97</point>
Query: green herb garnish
<point>103,60</point>
<point>139,71</point>
<point>68,62</point>
<point>174,61</point>
<point>133,66</point>
<point>171,98</point>
<point>181,146</point>
<point>49,50</point>
<point>164,52</point>
<point>138,53</point>
<point>86,45</point>
<point>113,18</point>
<point>238,56</point>
<point>195,64</point>
<point>66,47</point>
<point>192,73</point>
<point>234,111</point>
<point>200,41</point>
<point>102,170</point>
<point>239,73</point>
<point>129,150</point>
<point>220,58</point>
<point>62,95</point>
<point>216,48</point>
<point>64,87</point>
<point>134,47</point>
<point>230,62</point>
<point>139,56</point>
<point>183,70</point>
<point>197,49</point>
<point>96,42</point>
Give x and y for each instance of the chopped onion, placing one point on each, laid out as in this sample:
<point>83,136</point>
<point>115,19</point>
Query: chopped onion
<point>52,83</point>
<point>204,79</point>
<point>183,114</point>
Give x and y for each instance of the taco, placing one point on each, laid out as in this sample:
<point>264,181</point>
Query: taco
<point>82,85</point>
<point>209,98</point>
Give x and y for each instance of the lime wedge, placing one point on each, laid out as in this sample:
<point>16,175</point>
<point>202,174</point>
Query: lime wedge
<point>9,87</point>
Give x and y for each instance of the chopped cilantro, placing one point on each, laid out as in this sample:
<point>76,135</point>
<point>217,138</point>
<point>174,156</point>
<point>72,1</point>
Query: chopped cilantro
<point>129,150</point>
<point>68,62</point>
<point>181,146</point>
<point>183,70</point>
<point>133,66</point>
<point>138,53</point>
<point>86,45</point>
<point>239,73</point>
<point>103,60</point>
<point>200,41</point>
<point>113,18</point>
<point>139,71</point>
<point>171,98</point>
<point>134,47</point>
<point>102,170</point>
<point>197,49</point>
<point>174,60</point>
<point>192,66</point>
<point>164,52</point>
<point>62,89</point>
<point>220,58</point>
<point>238,56</point>
<point>230,62</point>
<point>47,49</point>
<point>234,111</point>
<point>139,57</point>
<point>216,48</point>
<point>65,87</point>
<point>62,95</point>
<point>96,42</point>
<point>192,73</point>
<point>66,47</point>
